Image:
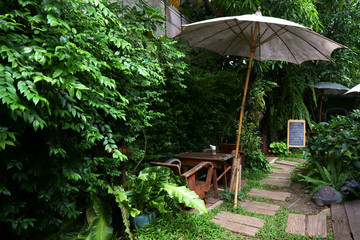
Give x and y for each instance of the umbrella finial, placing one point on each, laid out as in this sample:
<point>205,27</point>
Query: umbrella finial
<point>258,12</point>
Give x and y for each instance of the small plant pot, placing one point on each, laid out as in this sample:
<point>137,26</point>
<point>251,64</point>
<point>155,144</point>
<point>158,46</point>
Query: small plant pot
<point>142,220</point>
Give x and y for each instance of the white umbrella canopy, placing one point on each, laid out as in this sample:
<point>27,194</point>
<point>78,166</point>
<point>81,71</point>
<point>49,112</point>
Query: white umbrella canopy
<point>276,39</point>
<point>260,38</point>
<point>328,88</point>
<point>354,91</point>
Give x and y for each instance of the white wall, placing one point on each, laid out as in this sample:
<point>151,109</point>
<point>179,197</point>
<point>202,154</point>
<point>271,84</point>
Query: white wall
<point>174,19</point>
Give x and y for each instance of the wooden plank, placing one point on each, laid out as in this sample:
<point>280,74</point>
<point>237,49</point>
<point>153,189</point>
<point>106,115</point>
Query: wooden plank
<point>352,209</point>
<point>261,208</point>
<point>236,227</point>
<point>288,163</point>
<point>276,182</point>
<point>239,223</point>
<point>317,226</point>
<point>279,175</point>
<point>285,167</point>
<point>275,195</point>
<point>281,171</point>
<point>340,224</point>
<point>246,220</point>
<point>296,224</point>
<point>215,205</point>
<point>298,159</point>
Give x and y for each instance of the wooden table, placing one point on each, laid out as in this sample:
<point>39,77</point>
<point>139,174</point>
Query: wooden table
<point>221,161</point>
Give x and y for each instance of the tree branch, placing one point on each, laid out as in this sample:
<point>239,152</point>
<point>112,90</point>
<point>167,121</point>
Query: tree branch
<point>216,11</point>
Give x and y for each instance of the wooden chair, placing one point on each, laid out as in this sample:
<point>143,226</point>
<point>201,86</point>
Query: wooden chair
<point>229,148</point>
<point>201,188</point>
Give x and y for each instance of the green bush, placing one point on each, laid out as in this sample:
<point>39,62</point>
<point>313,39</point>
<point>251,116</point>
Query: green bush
<point>279,148</point>
<point>332,152</point>
<point>77,83</point>
<point>254,157</point>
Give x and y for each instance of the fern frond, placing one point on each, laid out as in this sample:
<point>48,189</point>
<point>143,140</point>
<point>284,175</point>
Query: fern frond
<point>185,196</point>
<point>328,177</point>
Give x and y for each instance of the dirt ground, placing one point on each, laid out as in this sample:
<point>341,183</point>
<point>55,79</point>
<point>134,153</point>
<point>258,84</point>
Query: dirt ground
<point>300,201</point>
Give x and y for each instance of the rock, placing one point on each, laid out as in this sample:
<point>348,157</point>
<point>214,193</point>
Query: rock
<point>327,195</point>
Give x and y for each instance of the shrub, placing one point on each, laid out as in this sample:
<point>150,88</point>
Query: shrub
<point>254,157</point>
<point>77,82</point>
<point>279,148</point>
<point>332,152</point>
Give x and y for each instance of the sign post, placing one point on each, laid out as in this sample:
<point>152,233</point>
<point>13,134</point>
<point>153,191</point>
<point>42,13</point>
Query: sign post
<point>295,133</point>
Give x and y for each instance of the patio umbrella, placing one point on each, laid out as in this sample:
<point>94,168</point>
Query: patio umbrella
<point>328,88</point>
<point>354,91</point>
<point>260,38</point>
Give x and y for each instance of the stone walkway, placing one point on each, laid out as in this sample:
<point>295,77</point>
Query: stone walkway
<point>313,226</point>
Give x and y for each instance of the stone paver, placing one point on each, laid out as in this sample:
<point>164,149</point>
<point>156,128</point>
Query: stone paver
<point>299,160</point>
<point>239,223</point>
<point>288,163</point>
<point>276,182</point>
<point>279,175</point>
<point>274,195</point>
<point>317,226</point>
<point>261,208</point>
<point>314,226</point>
<point>296,224</point>
<point>283,166</point>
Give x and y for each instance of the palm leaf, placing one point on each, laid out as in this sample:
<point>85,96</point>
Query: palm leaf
<point>322,173</point>
<point>100,227</point>
<point>185,196</point>
<point>328,177</point>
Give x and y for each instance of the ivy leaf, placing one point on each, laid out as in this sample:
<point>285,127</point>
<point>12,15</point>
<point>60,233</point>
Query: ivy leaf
<point>52,20</point>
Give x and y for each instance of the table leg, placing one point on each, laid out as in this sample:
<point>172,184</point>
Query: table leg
<point>215,185</point>
<point>225,178</point>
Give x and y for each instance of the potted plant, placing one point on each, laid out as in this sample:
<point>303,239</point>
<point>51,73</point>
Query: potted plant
<point>154,188</point>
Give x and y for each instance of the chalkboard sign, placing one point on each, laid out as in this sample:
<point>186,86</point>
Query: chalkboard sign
<point>296,133</point>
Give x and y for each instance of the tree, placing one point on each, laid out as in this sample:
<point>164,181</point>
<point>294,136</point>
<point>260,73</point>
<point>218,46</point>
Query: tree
<point>286,98</point>
<point>77,83</point>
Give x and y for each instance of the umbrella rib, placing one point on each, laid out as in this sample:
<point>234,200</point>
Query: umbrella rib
<point>274,35</point>
<point>210,36</point>
<point>288,30</point>
<point>241,31</point>
<point>313,33</point>
<point>278,35</point>
<point>263,35</point>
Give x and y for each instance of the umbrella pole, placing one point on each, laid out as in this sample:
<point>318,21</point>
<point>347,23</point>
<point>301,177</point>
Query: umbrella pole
<point>238,162</point>
<point>320,109</point>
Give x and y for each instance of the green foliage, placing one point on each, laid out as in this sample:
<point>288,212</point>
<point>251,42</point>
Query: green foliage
<point>332,175</point>
<point>254,157</point>
<point>279,148</point>
<point>100,222</point>
<point>77,83</point>
<point>336,140</point>
<point>229,196</point>
<point>149,189</point>
<point>123,203</point>
<point>185,196</point>
<point>184,226</point>
<point>6,138</point>
<point>154,188</point>
<point>332,152</point>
